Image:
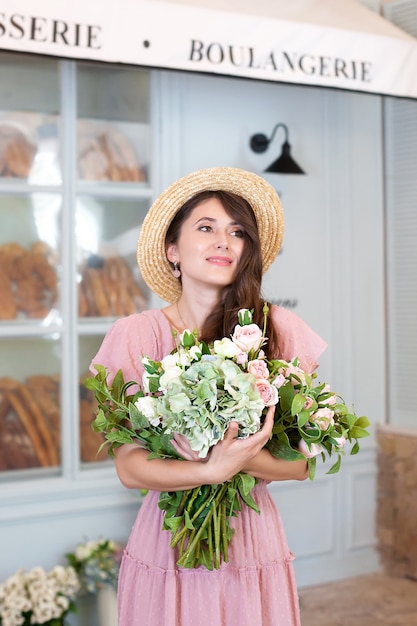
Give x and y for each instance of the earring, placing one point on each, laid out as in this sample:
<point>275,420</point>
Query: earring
<point>176,272</point>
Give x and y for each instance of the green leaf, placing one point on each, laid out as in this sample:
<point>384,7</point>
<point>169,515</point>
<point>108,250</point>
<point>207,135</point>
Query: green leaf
<point>303,418</point>
<point>117,385</point>
<point>357,433</point>
<point>297,403</point>
<point>188,522</point>
<point>99,424</point>
<point>119,436</point>
<point>172,523</point>
<point>205,559</point>
<point>312,467</point>
<point>250,502</point>
<point>355,449</point>
<point>246,483</point>
<point>286,394</point>
<point>152,367</point>
<point>336,467</point>
<point>281,449</point>
<point>362,422</point>
<point>153,383</point>
<point>93,384</point>
<point>188,339</point>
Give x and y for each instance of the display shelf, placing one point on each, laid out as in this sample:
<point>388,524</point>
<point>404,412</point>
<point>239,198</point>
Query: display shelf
<point>75,185</point>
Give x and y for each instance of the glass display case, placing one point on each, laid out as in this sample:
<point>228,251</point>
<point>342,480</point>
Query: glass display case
<point>75,185</point>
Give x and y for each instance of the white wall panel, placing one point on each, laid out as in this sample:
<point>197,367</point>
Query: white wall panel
<point>307,516</point>
<point>360,508</point>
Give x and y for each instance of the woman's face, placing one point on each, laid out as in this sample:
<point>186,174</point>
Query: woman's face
<point>208,248</point>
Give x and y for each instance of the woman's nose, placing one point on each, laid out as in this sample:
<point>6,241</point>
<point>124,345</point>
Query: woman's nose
<point>222,241</point>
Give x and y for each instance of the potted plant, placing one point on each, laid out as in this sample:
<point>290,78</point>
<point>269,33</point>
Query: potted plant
<point>97,565</point>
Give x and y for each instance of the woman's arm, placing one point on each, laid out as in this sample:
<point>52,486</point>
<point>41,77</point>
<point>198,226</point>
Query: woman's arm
<point>226,459</point>
<point>267,467</point>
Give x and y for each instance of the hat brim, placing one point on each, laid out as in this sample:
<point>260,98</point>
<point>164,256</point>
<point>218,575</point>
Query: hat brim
<point>262,197</point>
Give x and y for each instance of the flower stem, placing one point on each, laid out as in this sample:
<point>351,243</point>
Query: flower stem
<point>181,506</point>
<point>189,554</point>
<point>223,526</point>
<point>206,503</point>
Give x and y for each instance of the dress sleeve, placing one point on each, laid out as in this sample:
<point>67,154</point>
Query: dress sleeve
<point>296,338</point>
<point>127,341</point>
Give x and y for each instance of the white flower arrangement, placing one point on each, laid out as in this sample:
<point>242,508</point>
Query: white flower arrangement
<point>96,563</point>
<point>38,597</point>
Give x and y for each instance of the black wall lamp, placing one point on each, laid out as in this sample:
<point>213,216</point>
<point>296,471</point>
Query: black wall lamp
<point>284,164</point>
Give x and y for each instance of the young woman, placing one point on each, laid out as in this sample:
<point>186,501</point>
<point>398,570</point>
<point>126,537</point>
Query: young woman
<point>203,247</point>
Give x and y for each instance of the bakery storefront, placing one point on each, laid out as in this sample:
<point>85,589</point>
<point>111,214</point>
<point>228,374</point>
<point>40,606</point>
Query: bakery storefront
<point>100,108</point>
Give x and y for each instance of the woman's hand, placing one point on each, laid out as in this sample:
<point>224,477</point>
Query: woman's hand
<point>182,446</point>
<point>229,457</point>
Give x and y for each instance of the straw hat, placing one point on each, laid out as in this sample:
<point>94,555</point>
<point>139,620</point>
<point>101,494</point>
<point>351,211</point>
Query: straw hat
<point>153,264</point>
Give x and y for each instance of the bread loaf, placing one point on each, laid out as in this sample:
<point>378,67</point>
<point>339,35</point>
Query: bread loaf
<point>107,288</point>
<point>28,280</point>
<point>30,419</point>
<point>16,451</point>
<point>105,153</point>
<point>16,152</point>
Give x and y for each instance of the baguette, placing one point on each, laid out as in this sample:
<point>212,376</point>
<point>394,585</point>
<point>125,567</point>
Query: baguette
<point>17,152</point>
<point>8,307</point>
<point>46,394</point>
<point>27,421</point>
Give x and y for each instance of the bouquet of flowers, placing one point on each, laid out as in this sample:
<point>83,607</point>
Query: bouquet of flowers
<point>38,597</point>
<point>196,391</point>
<point>96,563</point>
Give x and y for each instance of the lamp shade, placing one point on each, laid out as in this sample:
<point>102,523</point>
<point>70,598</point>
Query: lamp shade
<point>285,164</point>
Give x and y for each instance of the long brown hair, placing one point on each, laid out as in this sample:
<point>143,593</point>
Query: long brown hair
<point>245,291</point>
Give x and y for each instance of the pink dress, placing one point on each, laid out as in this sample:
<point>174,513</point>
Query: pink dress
<point>257,586</point>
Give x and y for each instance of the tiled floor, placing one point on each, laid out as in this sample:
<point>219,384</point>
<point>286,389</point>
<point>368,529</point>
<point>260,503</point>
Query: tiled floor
<point>374,600</point>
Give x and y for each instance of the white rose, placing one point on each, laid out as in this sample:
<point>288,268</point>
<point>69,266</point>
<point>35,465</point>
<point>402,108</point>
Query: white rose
<point>170,374</point>
<point>226,348</point>
<point>195,353</point>
<point>171,360</point>
<point>147,406</point>
<point>145,381</point>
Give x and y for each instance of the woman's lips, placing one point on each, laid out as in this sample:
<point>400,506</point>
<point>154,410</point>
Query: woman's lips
<point>219,260</point>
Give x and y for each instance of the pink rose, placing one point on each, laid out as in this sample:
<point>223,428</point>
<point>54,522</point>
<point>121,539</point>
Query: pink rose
<point>323,418</point>
<point>279,381</point>
<point>241,358</point>
<point>308,403</point>
<point>258,368</point>
<point>329,401</point>
<point>340,441</point>
<point>268,393</point>
<point>309,452</point>
<point>247,337</point>
<point>297,371</point>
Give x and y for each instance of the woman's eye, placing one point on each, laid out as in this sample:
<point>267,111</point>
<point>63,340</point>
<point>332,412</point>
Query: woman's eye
<point>238,233</point>
<point>205,228</point>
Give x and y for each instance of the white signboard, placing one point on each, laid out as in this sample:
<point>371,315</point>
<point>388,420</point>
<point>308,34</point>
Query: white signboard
<point>192,38</point>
